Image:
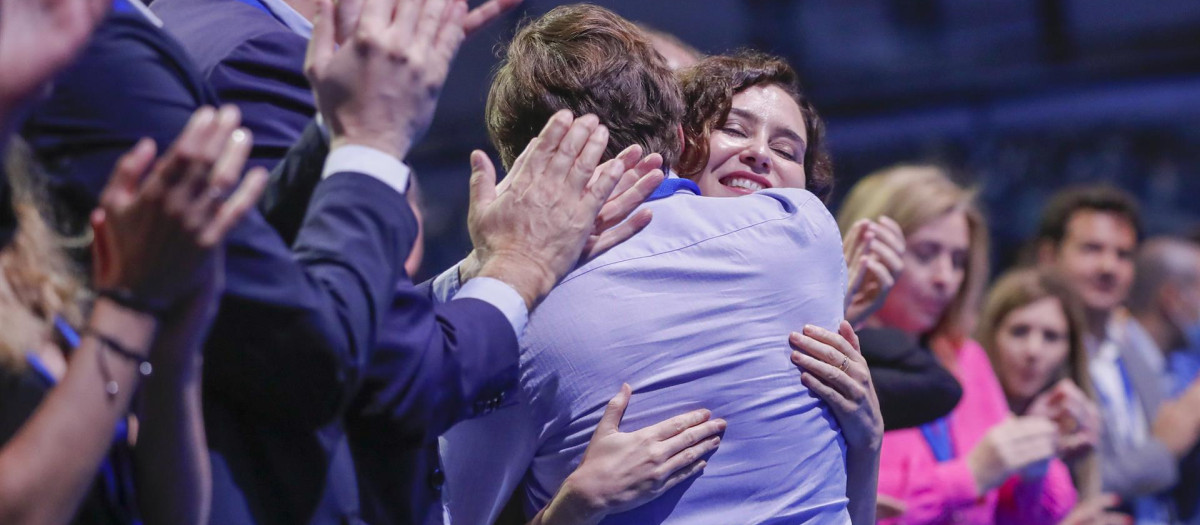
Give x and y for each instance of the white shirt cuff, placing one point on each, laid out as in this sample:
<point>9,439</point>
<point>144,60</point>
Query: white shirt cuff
<point>368,161</point>
<point>446,285</point>
<point>499,294</point>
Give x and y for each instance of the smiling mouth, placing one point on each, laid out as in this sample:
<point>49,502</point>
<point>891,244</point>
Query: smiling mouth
<point>745,182</point>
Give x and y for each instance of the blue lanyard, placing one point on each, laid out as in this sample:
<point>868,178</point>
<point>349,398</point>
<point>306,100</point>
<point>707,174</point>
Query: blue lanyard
<point>670,186</point>
<point>937,434</point>
<point>118,478</point>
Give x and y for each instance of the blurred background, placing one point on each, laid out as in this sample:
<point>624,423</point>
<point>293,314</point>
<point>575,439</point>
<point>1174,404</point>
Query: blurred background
<point>1018,97</point>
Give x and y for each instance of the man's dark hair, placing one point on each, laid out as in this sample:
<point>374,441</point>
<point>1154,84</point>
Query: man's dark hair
<point>589,60</point>
<point>1068,202</point>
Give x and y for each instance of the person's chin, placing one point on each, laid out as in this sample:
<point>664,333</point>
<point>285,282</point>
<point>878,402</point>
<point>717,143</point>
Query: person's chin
<point>1102,300</point>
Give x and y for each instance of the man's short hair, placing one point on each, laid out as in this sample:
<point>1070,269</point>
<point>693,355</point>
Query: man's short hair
<point>589,60</point>
<point>1068,202</point>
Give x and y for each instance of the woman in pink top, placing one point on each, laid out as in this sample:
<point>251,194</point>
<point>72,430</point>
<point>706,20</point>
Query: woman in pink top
<point>980,464</point>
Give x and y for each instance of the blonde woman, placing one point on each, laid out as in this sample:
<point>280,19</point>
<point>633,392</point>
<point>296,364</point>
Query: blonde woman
<point>68,380</point>
<point>978,464</point>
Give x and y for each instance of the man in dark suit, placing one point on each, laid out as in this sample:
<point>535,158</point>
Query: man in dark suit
<point>252,53</point>
<point>298,325</point>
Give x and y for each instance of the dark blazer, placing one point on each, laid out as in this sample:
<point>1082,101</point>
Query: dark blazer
<point>299,319</point>
<point>252,60</point>
<point>913,388</point>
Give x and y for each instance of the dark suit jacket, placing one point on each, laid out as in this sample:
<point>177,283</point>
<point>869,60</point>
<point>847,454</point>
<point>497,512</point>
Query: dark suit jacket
<point>427,372</point>
<point>297,325</point>
<point>252,60</point>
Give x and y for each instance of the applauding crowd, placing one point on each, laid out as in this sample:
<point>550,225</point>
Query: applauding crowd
<point>208,229</point>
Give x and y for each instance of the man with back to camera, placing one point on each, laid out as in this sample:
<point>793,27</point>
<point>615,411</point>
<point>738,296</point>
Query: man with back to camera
<point>659,312</point>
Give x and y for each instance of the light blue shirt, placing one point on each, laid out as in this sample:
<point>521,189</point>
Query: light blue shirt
<point>693,312</point>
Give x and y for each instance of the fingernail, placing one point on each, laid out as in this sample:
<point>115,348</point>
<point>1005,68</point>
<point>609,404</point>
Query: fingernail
<point>239,135</point>
<point>808,329</point>
<point>721,424</point>
<point>476,163</point>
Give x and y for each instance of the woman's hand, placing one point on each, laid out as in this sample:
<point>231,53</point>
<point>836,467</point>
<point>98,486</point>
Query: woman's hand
<point>1095,512</point>
<point>1078,417</point>
<point>1022,444</point>
<point>156,232</point>
<point>836,371</point>
<point>622,470</point>
<point>874,252</point>
<point>888,507</point>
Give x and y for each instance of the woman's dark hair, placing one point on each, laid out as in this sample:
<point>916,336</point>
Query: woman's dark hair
<point>708,91</point>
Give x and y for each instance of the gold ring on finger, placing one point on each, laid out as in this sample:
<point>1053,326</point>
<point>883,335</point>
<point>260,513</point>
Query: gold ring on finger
<point>845,363</point>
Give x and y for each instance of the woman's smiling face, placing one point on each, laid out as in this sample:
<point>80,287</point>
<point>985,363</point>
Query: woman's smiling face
<point>761,145</point>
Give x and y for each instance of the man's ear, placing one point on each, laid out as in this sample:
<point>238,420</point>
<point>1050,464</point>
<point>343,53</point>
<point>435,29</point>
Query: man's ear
<point>1046,252</point>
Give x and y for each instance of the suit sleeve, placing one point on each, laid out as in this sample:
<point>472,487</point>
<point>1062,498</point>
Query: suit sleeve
<point>285,201</point>
<point>296,325</point>
<point>433,366</point>
<point>1131,472</point>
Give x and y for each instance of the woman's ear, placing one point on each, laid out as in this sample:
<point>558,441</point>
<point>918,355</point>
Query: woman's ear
<point>679,135</point>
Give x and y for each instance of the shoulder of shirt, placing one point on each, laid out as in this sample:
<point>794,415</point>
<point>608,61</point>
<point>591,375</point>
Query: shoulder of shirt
<point>685,220</point>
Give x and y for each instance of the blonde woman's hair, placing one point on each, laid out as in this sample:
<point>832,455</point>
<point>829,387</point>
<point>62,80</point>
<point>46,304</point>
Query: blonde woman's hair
<point>40,282</point>
<point>913,196</point>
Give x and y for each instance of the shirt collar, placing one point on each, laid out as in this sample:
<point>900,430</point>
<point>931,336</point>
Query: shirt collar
<point>136,6</point>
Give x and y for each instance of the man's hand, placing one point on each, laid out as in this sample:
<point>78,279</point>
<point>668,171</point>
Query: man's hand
<point>532,234</point>
<point>37,39</point>
<point>348,12</point>
<point>1096,511</point>
<point>616,222</point>
<point>381,87</point>
<point>874,252</point>
<point>1177,425</point>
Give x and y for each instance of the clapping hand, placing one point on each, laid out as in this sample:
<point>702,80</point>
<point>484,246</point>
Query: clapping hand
<point>159,229</point>
<point>1077,417</point>
<point>874,252</point>
<point>1023,444</point>
<point>380,88</point>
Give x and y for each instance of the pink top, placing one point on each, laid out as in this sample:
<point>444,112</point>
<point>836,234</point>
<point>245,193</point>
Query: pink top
<point>945,492</point>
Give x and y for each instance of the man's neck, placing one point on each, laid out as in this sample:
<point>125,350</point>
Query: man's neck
<point>306,8</point>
